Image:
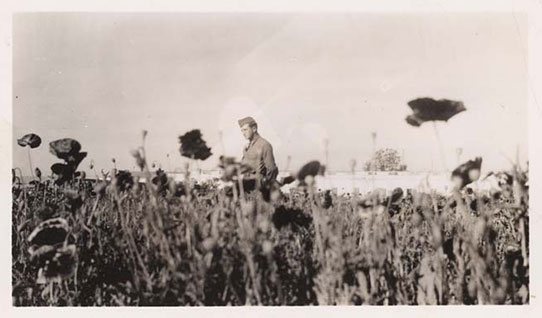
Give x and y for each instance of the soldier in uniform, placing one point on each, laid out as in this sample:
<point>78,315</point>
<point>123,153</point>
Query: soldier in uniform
<point>258,153</point>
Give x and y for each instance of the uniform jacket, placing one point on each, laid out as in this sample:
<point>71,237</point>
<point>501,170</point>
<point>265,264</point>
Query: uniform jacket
<point>258,154</point>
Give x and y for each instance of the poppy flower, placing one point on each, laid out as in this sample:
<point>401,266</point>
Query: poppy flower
<point>504,179</point>
<point>123,180</point>
<point>287,179</point>
<point>467,172</point>
<point>161,181</point>
<point>62,172</point>
<point>193,146</point>
<point>396,196</point>
<point>327,200</point>
<point>75,159</point>
<point>177,189</point>
<point>59,265</point>
<point>284,216</point>
<point>428,109</point>
<point>50,232</point>
<point>65,148</point>
<point>311,168</point>
<point>31,140</point>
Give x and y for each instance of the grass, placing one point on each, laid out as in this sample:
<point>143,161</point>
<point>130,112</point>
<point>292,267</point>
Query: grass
<point>167,244</point>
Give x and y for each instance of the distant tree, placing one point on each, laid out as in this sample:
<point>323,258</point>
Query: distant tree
<point>386,159</point>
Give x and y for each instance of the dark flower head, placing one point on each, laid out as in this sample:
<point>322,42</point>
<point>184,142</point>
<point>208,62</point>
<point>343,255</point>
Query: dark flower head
<point>327,200</point>
<point>311,168</point>
<point>287,179</point>
<point>428,109</point>
<point>504,179</point>
<point>396,195</point>
<point>64,148</point>
<point>284,216</point>
<point>75,159</point>
<point>193,146</point>
<point>50,232</point>
<point>467,172</point>
<point>161,181</point>
<point>59,265</point>
<point>177,189</point>
<point>31,140</point>
<point>123,180</point>
<point>62,172</point>
<point>160,176</point>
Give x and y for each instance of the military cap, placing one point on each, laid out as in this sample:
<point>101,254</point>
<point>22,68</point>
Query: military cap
<point>246,120</point>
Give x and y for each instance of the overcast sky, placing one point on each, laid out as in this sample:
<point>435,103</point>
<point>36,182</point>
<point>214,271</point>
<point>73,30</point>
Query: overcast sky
<point>102,78</point>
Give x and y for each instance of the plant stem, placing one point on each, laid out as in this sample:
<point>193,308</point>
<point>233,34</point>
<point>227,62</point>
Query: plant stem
<point>30,163</point>
<point>51,293</point>
<point>441,149</point>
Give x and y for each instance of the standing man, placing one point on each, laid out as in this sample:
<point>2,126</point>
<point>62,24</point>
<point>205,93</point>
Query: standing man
<point>258,154</point>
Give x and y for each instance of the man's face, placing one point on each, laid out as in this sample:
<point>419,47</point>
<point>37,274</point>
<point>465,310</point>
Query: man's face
<point>248,131</point>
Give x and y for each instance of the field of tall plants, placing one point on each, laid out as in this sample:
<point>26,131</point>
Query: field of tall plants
<point>115,240</point>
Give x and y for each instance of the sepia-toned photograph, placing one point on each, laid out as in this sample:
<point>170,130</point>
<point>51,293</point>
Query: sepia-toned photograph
<point>269,159</point>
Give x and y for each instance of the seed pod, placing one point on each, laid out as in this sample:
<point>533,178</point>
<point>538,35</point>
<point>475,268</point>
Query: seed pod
<point>38,173</point>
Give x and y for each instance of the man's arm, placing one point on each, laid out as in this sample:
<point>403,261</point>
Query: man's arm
<point>269,163</point>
